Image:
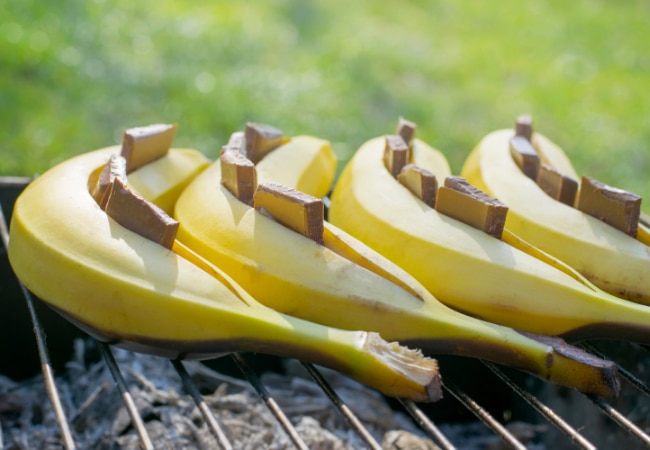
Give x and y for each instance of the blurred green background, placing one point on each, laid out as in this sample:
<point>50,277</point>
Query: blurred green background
<point>74,74</point>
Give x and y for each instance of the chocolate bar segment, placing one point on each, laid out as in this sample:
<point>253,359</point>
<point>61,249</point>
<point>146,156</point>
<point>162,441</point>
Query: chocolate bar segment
<point>238,175</point>
<point>114,168</point>
<point>406,129</point>
<point>464,202</point>
<point>143,145</point>
<point>524,127</point>
<point>525,156</point>
<point>260,140</point>
<point>557,185</point>
<point>140,216</point>
<point>616,207</point>
<point>396,154</point>
<point>293,209</point>
<point>422,183</point>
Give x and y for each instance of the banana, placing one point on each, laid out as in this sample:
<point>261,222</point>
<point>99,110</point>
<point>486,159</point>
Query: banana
<point>127,290</point>
<point>344,284</point>
<point>611,259</point>
<point>468,269</point>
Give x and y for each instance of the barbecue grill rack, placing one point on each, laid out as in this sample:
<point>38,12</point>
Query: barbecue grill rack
<point>469,385</point>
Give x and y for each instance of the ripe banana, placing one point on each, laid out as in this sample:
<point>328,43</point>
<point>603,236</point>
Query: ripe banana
<point>345,284</point>
<point>611,259</point>
<point>468,269</point>
<point>127,290</point>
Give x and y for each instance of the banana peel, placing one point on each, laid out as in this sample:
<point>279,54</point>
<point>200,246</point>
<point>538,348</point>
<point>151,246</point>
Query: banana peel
<point>344,284</point>
<point>132,292</point>
<point>611,259</point>
<point>469,270</point>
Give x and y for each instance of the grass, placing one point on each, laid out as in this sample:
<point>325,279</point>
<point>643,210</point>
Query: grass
<point>73,76</point>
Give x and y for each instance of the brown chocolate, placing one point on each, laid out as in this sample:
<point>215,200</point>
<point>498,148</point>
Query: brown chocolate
<point>237,142</point>
<point>422,183</point>
<point>464,202</point>
<point>524,127</point>
<point>139,215</point>
<point>293,209</point>
<point>616,207</point>
<point>406,129</point>
<point>260,140</point>
<point>557,185</point>
<point>143,145</point>
<point>396,154</point>
<point>238,175</point>
<point>114,168</point>
<point>525,156</point>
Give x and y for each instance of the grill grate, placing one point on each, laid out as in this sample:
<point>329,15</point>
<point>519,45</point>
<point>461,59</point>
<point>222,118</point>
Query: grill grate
<point>416,412</point>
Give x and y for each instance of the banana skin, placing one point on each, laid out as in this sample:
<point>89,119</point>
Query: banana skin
<point>126,290</point>
<point>469,270</point>
<point>611,259</point>
<point>345,284</point>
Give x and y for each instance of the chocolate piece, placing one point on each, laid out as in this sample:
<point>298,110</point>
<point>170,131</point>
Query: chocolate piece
<point>524,127</point>
<point>114,168</point>
<point>422,183</point>
<point>260,140</point>
<point>293,209</point>
<point>143,145</point>
<point>616,207</point>
<point>406,129</point>
<point>525,156</point>
<point>237,142</point>
<point>396,154</point>
<point>138,215</point>
<point>464,202</point>
<point>238,175</point>
<point>558,186</point>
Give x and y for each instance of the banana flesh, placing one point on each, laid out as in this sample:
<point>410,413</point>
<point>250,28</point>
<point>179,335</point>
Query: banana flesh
<point>611,259</point>
<point>345,284</point>
<point>126,290</point>
<point>469,270</point>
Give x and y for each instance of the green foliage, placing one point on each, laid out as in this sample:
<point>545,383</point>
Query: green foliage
<point>74,75</point>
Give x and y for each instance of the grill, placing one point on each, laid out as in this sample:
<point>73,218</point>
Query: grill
<point>507,408</point>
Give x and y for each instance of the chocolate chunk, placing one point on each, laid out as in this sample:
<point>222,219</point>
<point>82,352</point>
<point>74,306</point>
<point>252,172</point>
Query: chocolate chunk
<point>525,156</point>
<point>396,154</point>
<point>464,202</point>
<point>138,215</point>
<point>114,168</point>
<point>556,185</point>
<point>260,140</point>
<point>143,145</point>
<point>406,129</point>
<point>616,207</point>
<point>238,175</point>
<point>422,183</point>
<point>293,209</point>
<point>524,127</point>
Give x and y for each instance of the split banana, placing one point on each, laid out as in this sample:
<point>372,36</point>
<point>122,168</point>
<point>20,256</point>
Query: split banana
<point>466,268</point>
<point>610,258</point>
<point>127,290</point>
<point>342,282</point>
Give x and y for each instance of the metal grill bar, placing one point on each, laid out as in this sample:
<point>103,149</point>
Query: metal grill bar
<point>270,402</point>
<point>342,407</point>
<point>484,416</point>
<point>137,422</point>
<point>46,366</point>
<point>629,376</point>
<point>209,418</point>
<point>621,420</point>
<point>427,425</point>
<point>544,410</point>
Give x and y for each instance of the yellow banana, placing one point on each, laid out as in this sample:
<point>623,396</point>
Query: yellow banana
<point>345,284</point>
<point>125,289</point>
<point>611,259</point>
<point>468,269</point>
